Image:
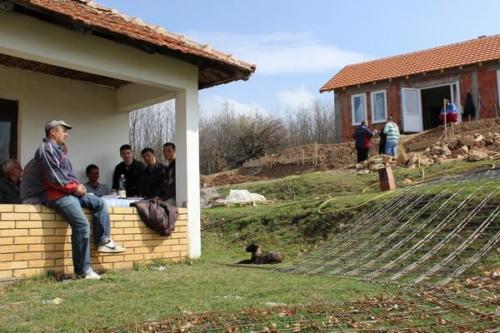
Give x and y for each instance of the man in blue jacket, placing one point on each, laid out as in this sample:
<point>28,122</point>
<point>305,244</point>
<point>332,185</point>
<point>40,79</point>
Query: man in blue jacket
<point>67,196</point>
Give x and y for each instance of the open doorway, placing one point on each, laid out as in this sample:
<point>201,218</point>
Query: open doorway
<point>8,129</point>
<point>432,102</point>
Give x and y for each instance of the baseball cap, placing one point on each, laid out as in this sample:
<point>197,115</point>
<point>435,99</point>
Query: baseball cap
<point>55,123</point>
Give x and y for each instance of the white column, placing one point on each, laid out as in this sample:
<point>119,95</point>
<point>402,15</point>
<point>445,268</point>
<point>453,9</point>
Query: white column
<point>187,166</point>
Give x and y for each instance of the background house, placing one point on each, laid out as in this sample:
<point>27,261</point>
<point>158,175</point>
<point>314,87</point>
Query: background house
<point>89,65</point>
<point>411,87</point>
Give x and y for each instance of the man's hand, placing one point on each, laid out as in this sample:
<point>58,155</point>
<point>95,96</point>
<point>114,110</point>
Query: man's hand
<point>80,191</point>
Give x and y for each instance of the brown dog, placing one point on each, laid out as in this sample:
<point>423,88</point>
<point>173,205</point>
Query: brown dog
<point>261,257</point>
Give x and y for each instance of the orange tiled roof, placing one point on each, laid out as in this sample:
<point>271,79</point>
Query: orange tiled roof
<point>88,13</point>
<point>460,54</point>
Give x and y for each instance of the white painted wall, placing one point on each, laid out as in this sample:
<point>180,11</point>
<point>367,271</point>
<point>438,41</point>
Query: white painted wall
<point>99,130</point>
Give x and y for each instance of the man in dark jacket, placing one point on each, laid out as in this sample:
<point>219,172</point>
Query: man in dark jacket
<point>153,175</point>
<point>363,136</point>
<point>67,196</point>
<point>168,191</point>
<point>9,182</point>
<point>131,169</point>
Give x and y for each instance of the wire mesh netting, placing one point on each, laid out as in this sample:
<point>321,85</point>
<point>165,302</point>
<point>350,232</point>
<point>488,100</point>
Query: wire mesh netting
<point>432,232</point>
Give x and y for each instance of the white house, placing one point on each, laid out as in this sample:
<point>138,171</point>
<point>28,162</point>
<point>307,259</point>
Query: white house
<point>89,65</point>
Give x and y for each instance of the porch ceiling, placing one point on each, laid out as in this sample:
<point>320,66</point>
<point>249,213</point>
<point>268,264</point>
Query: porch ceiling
<point>9,61</point>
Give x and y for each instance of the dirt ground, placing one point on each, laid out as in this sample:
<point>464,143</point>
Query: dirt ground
<point>320,157</point>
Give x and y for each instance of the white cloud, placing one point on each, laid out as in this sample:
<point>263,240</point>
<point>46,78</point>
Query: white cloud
<point>214,104</point>
<point>281,53</point>
<point>296,98</point>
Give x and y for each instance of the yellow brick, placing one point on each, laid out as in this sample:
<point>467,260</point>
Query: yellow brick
<point>123,237</point>
<point>59,218</point>
<point>102,266</point>
<point>6,274</point>
<point>178,247</point>
<point>15,216</point>
<point>41,247</point>
<point>6,208</point>
<point>132,230</point>
<point>123,265</point>
<point>63,262</point>
<point>143,236</point>
<point>42,216</point>
<point>148,256</point>
<point>184,253</point>
<point>172,254</point>
<point>6,257</point>
<point>28,240</point>
<point>179,235</point>
<point>124,210</point>
<point>29,224</point>
<point>62,232</point>
<point>41,263</point>
<point>183,241</point>
<point>55,224</point>
<point>19,264</point>
<point>62,247</point>
<point>141,250</point>
<point>13,248</point>
<point>130,218</point>
<point>116,217</point>
<point>14,232</point>
<point>181,229</point>
<point>7,224</point>
<point>117,231</point>
<point>47,210</point>
<point>131,243</point>
<point>182,210</point>
<point>133,257</point>
<point>27,272</point>
<point>41,232</point>
<point>27,208</point>
<point>54,239</point>
<point>163,248</point>
<point>6,240</point>
<point>112,258</point>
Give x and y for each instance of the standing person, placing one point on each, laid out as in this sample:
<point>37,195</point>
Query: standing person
<point>67,196</point>
<point>382,143</point>
<point>469,108</point>
<point>449,111</point>
<point>9,182</point>
<point>152,177</point>
<point>391,130</point>
<point>362,137</point>
<point>131,169</point>
<point>93,185</point>
<point>168,192</point>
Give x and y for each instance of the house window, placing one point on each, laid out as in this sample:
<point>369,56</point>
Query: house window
<point>8,129</point>
<point>358,108</point>
<point>379,106</point>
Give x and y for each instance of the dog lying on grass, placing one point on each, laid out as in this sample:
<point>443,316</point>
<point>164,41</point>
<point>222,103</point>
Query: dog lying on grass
<point>260,257</point>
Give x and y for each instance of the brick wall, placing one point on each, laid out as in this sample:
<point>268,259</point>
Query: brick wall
<point>34,239</point>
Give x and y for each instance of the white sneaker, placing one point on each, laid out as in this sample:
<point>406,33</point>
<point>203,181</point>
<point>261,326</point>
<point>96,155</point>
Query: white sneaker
<point>111,247</point>
<point>90,275</point>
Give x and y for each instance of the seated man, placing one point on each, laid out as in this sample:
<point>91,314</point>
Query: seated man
<point>152,175</point>
<point>131,169</point>
<point>168,191</point>
<point>93,185</point>
<point>67,196</point>
<point>9,182</point>
<point>32,190</point>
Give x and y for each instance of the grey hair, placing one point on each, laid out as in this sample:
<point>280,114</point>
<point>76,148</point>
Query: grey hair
<point>9,164</point>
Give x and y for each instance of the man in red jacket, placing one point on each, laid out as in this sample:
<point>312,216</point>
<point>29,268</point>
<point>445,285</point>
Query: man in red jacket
<point>67,196</point>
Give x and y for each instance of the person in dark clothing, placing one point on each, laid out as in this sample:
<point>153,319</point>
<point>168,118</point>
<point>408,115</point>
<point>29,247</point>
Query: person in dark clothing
<point>9,182</point>
<point>363,136</point>
<point>382,142</point>
<point>469,108</point>
<point>168,192</point>
<point>152,176</point>
<point>131,169</point>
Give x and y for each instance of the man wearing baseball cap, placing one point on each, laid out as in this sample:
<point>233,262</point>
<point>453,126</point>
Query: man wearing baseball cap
<point>67,196</point>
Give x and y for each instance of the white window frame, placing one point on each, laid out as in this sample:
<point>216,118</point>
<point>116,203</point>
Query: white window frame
<point>352,108</point>
<point>373,106</point>
<point>498,87</point>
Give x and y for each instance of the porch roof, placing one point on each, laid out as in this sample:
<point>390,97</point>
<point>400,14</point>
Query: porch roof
<point>88,17</point>
<point>470,52</point>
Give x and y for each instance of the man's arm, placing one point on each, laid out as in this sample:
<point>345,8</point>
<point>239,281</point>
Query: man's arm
<point>56,177</point>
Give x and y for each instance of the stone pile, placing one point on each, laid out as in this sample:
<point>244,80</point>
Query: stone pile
<point>468,147</point>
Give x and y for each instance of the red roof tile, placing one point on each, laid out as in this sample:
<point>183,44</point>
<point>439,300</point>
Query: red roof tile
<point>90,14</point>
<point>460,54</point>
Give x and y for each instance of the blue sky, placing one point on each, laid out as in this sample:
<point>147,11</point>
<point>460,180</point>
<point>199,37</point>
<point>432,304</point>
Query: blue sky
<point>298,45</point>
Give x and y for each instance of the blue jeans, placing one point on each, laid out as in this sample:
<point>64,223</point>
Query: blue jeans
<point>391,148</point>
<point>70,207</point>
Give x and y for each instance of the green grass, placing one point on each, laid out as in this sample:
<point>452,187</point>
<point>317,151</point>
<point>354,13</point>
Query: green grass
<point>126,297</point>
